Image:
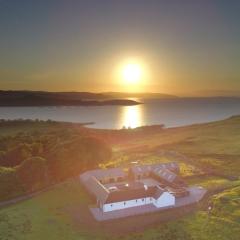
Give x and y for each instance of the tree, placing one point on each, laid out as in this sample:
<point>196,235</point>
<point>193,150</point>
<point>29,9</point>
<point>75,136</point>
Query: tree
<point>37,149</point>
<point>99,151</point>
<point>3,158</point>
<point>72,157</point>
<point>9,186</point>
<point>33,173</point>
<point>16,155</point>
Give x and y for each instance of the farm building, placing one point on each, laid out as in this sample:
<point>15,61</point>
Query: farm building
<point>105,175</point>
<point>166,173</point>
<point>142,171</point>
<point>114,189</point>
<point>167,177</point>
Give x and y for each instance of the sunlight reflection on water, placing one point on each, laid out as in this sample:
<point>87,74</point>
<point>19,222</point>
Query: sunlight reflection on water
<point>131,117</point>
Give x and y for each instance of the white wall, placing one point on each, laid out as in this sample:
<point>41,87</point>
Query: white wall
<point>131,203</point>
<point>166,199</point>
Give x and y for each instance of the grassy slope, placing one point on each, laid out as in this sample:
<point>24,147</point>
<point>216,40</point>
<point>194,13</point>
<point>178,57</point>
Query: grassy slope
<point>12,128</point>
<point>215,145</point>
<point>61,212</point>
<point>42,217</point>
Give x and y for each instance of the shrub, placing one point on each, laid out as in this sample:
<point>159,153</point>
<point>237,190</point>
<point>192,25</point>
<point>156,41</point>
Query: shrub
<point>32,173</point>
<point>9,186</point>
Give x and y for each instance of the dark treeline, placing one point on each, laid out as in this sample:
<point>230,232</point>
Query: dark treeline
<point>35,160</point>
<point>36,98</point>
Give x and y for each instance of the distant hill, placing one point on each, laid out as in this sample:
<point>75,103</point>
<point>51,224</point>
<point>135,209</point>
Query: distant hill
<point>217,93</point>
<point>82,95</point>
<point>43,98</point>
<point>69,95</point>
<point>39,98</point>
<point>138,95</point>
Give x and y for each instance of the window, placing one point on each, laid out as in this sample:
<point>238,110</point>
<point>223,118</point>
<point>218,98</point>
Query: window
<point>143,199</point>
<point>136,200</point>
<point>124,203</point>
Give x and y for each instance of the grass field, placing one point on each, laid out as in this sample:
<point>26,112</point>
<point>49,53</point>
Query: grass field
<point>62,213</point>
<point>12,128</point>
<point>43,216</point>
<point>214,146</point>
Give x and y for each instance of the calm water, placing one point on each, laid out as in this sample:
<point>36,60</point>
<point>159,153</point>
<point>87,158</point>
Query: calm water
<point>172,113</point>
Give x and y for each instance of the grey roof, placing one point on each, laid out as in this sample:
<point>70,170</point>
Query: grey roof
<point>97,189</point>
<point>141,169</point>
<point>165,174</point>
<point>100,174</point>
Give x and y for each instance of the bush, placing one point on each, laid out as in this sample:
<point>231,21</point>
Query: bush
<point>72,157</point>
<point>9,186</point>
<point>32,173</point>
<point>16,155</point>
<point>34,160</point>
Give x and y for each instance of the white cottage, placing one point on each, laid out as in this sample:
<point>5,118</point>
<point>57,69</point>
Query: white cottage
<point>128,195</point>
<point>114,190</point>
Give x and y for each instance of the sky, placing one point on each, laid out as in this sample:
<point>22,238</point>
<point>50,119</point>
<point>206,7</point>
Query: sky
<point>185,47</point>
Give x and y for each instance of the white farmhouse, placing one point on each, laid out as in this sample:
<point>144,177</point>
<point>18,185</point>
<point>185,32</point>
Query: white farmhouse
<point>128,195</point>
<point>113,190</point>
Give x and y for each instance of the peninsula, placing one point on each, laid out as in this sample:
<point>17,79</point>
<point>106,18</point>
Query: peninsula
<point>37,98</point>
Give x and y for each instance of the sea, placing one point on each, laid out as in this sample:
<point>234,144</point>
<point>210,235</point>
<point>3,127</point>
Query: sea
<point>172,112</point>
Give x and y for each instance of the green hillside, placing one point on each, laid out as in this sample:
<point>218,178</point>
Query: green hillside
<point>61,213</point>
<point>211,159</point>
<point>212,146</point>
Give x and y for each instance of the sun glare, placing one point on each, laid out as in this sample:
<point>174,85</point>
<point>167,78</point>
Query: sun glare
<point>131,117</point>
<point>132,72</point>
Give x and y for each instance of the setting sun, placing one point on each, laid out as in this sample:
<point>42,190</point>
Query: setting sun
<point>132,72</point>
